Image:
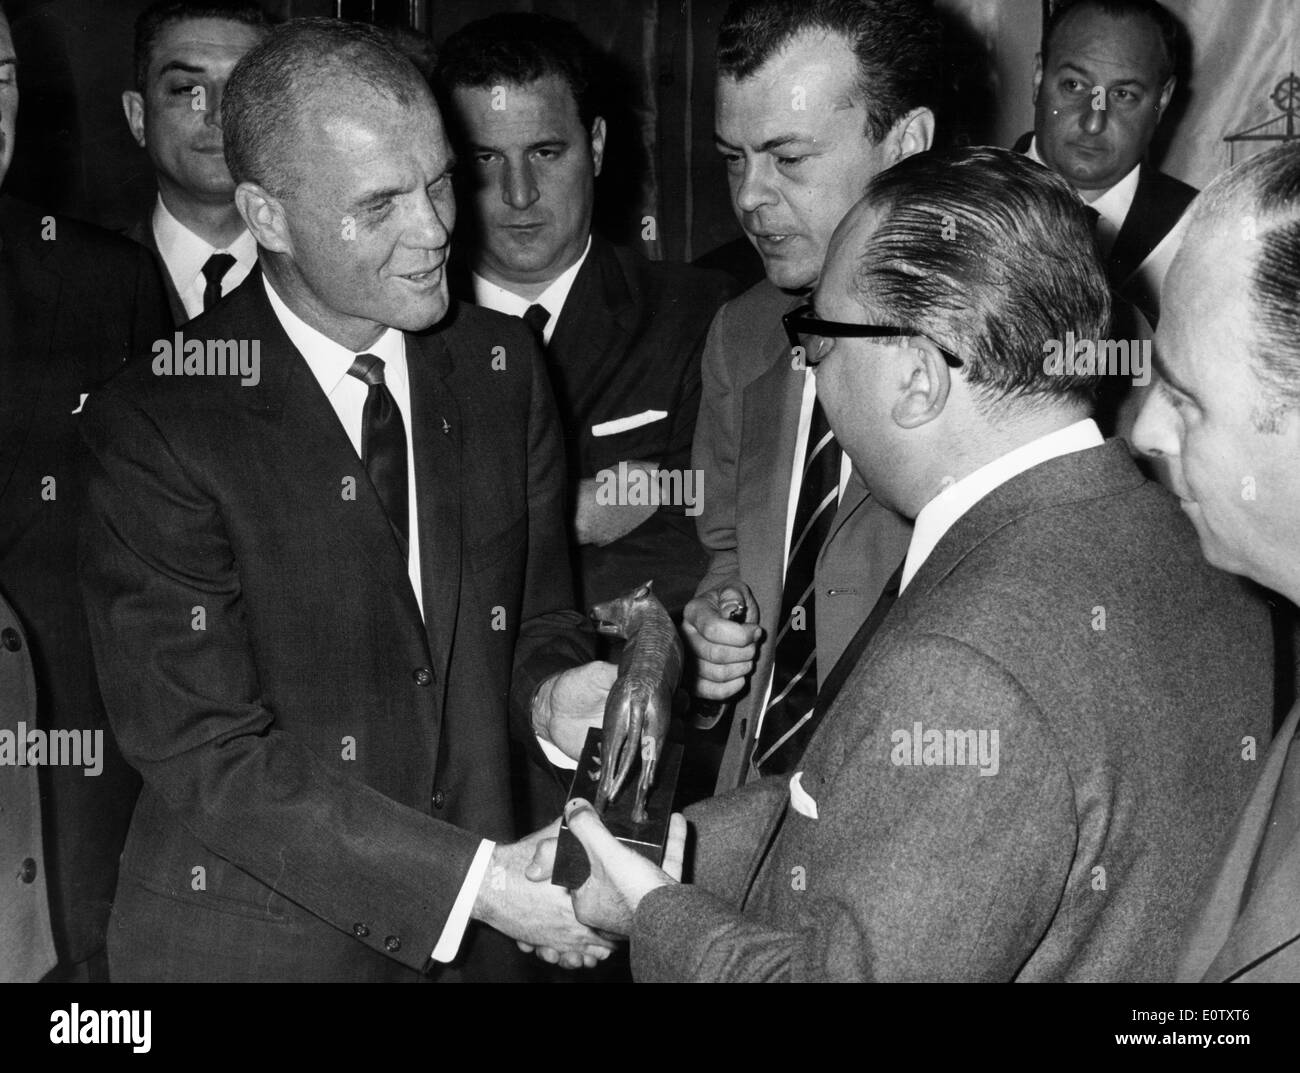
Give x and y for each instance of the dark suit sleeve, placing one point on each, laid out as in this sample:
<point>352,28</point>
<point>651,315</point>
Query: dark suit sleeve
<point>553,636</point>
<point>717,441</point>
<point>188,711</point>
<point>909,872</point>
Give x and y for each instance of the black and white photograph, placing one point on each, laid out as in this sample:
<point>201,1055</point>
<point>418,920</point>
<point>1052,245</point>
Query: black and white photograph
<point>649,491</point>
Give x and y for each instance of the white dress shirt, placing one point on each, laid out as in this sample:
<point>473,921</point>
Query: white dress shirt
<point>185,254</point>
<point>1112,207</point>
<point>329,363</point>
<point>495,297</point>
<point>945,509</point>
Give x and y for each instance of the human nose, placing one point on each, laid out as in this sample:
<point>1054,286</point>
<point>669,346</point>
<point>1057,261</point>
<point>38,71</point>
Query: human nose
<point>755,187</point>
<point>518,185</point>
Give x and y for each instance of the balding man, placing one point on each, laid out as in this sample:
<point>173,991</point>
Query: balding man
<point>1225,419</point>
<point>325,568</point>
<point>1025,761</point>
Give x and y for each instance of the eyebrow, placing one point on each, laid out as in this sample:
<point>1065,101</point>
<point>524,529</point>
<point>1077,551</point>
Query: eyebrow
<point>545,143</point>
<point>186,68</point>
<point>1163,369</point>
<point>1088,76</point>
<point>772,143</point>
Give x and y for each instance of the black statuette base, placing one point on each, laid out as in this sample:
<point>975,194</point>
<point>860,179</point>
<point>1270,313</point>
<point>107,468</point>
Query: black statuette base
<point>648,839</point>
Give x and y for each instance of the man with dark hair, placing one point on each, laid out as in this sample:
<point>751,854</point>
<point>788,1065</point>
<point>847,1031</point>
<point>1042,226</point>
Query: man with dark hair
<point>75,303</point>
<point>1032,744</point>
<point>1103,82</point>
<point>184,53</point>
<point>813,99</point>
<point>622,334</point>
<point>1225,419</point>
<point>326,588</point>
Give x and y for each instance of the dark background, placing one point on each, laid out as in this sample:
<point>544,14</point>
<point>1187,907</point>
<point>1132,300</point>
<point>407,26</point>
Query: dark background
<point>75,154</point>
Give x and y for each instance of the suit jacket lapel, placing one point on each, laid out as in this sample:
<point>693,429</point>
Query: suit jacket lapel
<point>597,313</point>
<point>1152,215</point>
<point>142,232</point>
<point>32,310</point>
<point>315,453</point>
<point>436,446</point>
<point>1229,938</point>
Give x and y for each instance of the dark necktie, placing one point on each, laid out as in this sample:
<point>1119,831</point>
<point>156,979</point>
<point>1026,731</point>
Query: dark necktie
<point>383,444</point>
<point>852,655</point>
<point>214,271</point>
<point>535,317</point>
<point>794,671</point>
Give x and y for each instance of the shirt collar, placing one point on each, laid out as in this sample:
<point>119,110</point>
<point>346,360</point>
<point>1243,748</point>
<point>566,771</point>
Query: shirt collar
<point>490,295</point>
<point>185,253</point>
<point>945,509</point>
<point>330,361</point>
<point>1113,204</point>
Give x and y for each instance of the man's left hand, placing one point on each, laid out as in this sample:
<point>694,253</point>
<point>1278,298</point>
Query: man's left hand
<point>620,877</point>
<point>570,702</point>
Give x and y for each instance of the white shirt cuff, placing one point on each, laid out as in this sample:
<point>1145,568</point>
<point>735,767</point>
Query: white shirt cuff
<point>458,919</point>
<point>555,755</point>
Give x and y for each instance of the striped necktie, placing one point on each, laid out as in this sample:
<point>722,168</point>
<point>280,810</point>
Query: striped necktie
<point>794,671</point>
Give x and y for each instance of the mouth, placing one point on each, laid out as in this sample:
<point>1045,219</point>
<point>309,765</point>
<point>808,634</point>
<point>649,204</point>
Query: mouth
<point>430,277</point>
<point>771,241</point>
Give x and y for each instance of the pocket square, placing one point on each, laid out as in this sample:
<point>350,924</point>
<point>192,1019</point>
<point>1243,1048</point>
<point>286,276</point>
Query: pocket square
<point>80,403</point>
<point>626,424</point>
<point>800,800</point>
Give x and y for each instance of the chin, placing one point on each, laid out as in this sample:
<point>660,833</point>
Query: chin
<point>790,276</point>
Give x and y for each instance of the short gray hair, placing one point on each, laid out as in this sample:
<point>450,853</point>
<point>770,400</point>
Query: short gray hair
<point>1262,197</point>
<point>264,99</point>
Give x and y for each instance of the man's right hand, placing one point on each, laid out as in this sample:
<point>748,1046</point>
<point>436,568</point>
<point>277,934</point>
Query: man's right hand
<point>538,914</point>
<point>724,650</point>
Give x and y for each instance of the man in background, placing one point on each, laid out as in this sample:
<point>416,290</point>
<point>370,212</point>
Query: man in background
<point>1102,84</point>
<point>812,101</point>
<point>75,303</point>
<point>1225,419</point>
<point>622,334</point>
<point>184,53</point>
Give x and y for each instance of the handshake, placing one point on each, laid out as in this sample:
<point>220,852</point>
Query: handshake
<point>577,928</point>
<point>581,927</point>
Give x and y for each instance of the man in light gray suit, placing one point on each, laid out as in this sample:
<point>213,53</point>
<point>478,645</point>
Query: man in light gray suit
<point>1225,419</point>
<point>1026,761</point>
<point>813,100</point>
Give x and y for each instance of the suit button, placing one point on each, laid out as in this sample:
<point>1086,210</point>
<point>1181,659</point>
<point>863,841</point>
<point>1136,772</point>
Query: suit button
<point>27,873</point>
<point>423,676</point>
<point>360,931</point>
<point>392,944</point>
<point>10,639</point>
<point>438,799</point>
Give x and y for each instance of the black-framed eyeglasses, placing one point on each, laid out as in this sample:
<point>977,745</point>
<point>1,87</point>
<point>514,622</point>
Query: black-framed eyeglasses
<point>809,335</point>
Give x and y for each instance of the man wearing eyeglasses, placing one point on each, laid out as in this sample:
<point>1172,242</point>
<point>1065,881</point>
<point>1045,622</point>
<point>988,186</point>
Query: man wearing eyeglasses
<point>1025,762</point>
<point>812,101</point>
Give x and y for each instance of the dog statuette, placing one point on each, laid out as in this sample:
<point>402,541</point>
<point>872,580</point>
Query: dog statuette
<point>641,700</point>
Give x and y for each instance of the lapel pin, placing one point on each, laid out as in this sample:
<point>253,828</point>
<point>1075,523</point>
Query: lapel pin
<point>446,428</point>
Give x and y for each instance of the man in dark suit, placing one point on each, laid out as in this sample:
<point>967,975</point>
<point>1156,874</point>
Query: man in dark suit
<point>792,531</point>
<point>1224,420</point>
<point>184,53</point>
<point>75,302</point>
<point>325,568</point>
<point>622,334</point>
<point>1025,761</point>
<point>1104,80</point>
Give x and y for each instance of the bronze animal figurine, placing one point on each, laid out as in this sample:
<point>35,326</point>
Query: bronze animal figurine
<point>640,702</point>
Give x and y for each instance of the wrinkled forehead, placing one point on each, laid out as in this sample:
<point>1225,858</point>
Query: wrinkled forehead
<point>201,43</point>
<point>544,105</point>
